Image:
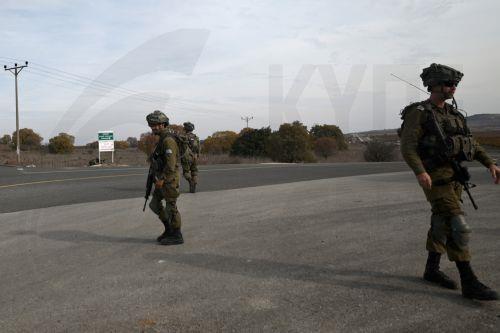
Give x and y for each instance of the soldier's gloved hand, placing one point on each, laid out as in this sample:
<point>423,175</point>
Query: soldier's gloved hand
<point>425,180</point>
<point>159,183</point>
<point>495,173</point>
<point>187,176</point>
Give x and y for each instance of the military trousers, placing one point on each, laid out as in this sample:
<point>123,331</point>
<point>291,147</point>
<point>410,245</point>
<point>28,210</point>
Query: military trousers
<point>168,212</point>
<point>448,233</point>
<point>193,169</point>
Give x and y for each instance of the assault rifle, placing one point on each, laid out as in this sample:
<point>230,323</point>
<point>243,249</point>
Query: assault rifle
<point>151,179</point>
<point>149,185</point>
<point>460,173</point>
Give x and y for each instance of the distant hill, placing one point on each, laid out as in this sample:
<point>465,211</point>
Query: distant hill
<point>484,122</point>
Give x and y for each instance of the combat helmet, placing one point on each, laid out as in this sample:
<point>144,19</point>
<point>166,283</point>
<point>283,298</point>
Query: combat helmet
<point>157,117</point>
<point>436,74</point>
<point>189,127</point>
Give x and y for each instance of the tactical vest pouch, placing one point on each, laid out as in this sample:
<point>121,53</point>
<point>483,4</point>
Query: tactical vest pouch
<point>461,147</point>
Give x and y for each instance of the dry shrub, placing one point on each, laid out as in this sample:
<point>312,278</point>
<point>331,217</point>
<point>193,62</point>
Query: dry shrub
<point>121,144</point>
<point>229,159</point>
<point>378,151</point>
<point>147,143</point>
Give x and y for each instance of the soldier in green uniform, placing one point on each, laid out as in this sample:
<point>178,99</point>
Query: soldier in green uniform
<point>191,174</point>
<point>166,159</point>
<point>422,149</point>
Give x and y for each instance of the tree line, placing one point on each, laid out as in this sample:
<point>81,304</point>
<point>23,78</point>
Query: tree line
<point>63,143</point>
<point>292,142</point>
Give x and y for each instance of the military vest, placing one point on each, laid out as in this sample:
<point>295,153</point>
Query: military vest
<point>193,143</point>
<point>158,155</point>
<point>446,135</point>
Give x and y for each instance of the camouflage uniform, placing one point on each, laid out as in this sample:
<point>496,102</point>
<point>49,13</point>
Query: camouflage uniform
<point>167,152</point>
<point>447,213</point>
<point>165,161</point>
<point>192,154</point>
<point>434,140</point>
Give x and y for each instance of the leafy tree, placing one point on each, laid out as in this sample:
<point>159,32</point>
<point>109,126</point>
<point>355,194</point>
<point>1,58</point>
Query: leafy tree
<point>321,131</point>
<point>219,142</point>
<point>29,139</point>
<point>291,143</point>
<point>132,142</point>
<point>378,151</point>
<point>325,146</point>
<point>147,142</point>
<point>6,139</point>
<point>251,142</point>
<point>62,144</point>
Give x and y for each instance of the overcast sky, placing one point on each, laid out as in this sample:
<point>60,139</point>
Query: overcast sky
<point>213,62</point>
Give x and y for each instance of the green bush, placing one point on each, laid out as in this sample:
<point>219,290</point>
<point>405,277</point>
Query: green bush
<point>325,146</point>
<point>132,142</point>
<point>322,131</point>
<point>62,144</point>
<point>219,142</point>
<point>290,144</point>
<point>29,139</point>
<point>251,142</point>
<point>6,140</point>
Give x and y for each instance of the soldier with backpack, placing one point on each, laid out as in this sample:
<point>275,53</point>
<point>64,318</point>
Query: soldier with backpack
<point>164,174</point>
<point>435,140</point>
<point>191,174</point>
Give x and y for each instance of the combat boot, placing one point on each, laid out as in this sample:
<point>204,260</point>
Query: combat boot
<point>434,275</point>
<point>192,183</point>
<point>175,238</point>
<point>168,231</point>
<point>192,186</point>
<point>471,287</point>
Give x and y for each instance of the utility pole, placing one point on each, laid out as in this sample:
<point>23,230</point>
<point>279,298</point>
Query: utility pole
<point>16,70</point>
<point>247,119</point>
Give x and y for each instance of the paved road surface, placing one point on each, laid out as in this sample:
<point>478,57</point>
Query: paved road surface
<point>32,188</point>
<point>328,255</point>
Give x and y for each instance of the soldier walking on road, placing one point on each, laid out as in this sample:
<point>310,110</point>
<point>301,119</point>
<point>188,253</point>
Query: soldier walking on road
<point>193,152</point>
<point>166,160</point>
<point>434,140</point>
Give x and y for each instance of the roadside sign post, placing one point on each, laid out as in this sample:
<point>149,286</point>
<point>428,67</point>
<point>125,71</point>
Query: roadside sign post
<point>106,143</point>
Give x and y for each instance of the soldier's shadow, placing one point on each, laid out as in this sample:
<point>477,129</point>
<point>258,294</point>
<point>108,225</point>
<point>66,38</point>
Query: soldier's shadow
<point>78,236</point>
<point>402,285</point>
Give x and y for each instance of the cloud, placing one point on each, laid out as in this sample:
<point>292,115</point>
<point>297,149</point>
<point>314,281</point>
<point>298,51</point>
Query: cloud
<point>231,78</point>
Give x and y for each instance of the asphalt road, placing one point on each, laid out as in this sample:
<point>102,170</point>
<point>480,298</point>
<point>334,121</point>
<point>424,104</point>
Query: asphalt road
<point>33,188</point>
<point>329,255</point>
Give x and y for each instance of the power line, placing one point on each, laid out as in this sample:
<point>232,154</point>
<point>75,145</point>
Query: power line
<point>100,86</point>
<point>81,78</point>
<point>86,85</point>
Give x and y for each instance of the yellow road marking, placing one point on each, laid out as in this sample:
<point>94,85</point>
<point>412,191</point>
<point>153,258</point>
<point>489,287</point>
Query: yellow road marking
<point>70,179</point>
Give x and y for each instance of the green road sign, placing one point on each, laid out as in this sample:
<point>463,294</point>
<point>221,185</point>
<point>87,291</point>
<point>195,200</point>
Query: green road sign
<point>105,136</point>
